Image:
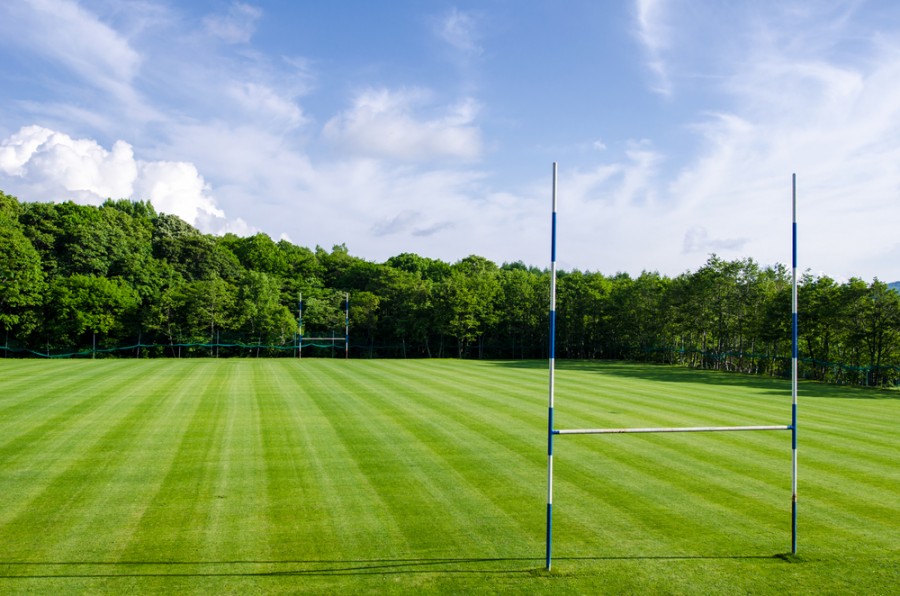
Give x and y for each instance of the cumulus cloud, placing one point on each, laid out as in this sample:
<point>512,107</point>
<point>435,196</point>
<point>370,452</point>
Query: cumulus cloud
<point>77,165</point>
<point>177,187</point>
<point>51,165</point>
<point>386,123</point>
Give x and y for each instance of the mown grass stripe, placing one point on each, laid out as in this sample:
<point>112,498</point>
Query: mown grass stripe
<point>447,440</point>
<point>351,518</point>
<point>173,521</point>
<point>407,478</point>
<point>59,399</point>
<point>380,476</point>
<point>64,453</point>
<point>497,453</point>
<point>680,485</point>
<point>122,466</point>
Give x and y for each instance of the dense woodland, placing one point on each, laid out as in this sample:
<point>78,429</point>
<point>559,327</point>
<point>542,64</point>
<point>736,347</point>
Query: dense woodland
<point>123,280</point>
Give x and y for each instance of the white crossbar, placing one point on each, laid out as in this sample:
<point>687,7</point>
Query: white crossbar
<point>687,429</point>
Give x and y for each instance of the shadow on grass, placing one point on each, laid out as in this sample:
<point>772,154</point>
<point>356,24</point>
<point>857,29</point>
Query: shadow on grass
<point>287,568</point>
<point>667,373</point>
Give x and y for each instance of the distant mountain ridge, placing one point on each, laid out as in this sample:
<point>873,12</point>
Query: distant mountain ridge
<point>895,286</point>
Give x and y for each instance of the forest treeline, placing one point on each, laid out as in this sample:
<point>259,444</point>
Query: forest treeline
<point>127,280</point>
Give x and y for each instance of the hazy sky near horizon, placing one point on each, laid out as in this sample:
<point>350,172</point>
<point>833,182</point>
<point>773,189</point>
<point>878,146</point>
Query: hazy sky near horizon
<point>431,126</point>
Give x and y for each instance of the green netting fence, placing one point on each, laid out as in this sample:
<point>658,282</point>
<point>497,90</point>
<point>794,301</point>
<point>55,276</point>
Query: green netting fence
<point>187,349</point>
<point>735,361</point>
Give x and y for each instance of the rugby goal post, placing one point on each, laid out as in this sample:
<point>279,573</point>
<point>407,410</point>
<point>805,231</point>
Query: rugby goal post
<point>552,432</point>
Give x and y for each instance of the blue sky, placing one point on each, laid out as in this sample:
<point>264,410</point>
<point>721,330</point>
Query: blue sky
<point>431,127</point>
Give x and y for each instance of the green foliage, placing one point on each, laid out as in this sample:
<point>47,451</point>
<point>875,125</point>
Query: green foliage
<point>21,281</point>
<point>10,208</point>
<point>87,304</point>
<point>187,287</point>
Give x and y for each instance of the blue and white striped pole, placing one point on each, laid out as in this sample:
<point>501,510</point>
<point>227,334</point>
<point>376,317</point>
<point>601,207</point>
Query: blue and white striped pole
<point>794,357</point>
<point>552,374</point>
<point>300,325</point>
<point>347,326</point>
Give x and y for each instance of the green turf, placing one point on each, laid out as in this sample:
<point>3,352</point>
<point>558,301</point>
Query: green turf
<point>331,476</point>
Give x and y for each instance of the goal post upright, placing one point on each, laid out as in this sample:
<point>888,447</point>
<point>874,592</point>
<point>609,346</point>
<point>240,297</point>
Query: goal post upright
<point>794,357</point>
<point>552,355</point>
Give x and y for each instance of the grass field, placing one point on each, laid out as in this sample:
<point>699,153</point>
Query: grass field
<point>331,476</point>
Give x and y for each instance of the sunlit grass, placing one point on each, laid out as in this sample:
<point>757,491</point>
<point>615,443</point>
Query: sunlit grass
<point>331,476</point>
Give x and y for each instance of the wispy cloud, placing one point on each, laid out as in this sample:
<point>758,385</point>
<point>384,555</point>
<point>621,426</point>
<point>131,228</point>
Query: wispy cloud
<point>460,30</point>
<point>65,33</point>
<point>266,104</point>
<point>698,240</point>
<point>793,106</point>
<point>401,222</point>
<point>388,123</point>
<point>237,25</point>
<point>654,34</point>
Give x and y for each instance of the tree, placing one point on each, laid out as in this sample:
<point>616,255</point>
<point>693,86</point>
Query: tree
<point>260,311</point>
<point>194,255</point>
<point>407,312</point>
<point>257,252</point>
<point>819,299</point>
<point>88,304</point>
<point>585,328</point>
<point>524,298</point>
<point>322,312</point>
<point>876,329</point>
<point>10,208</point>
<point>468,300</point>
<point>431,269</point>
<point>365,315</point>
<point>21,282</point>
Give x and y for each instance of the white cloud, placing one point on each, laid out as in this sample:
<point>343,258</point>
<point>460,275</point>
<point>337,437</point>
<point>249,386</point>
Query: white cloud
<point>70,35</point>
<point>654,34</point>
<point>697,240</point>
<point>266,104</point>
<point>836,125</point>
<point>16,151</point>
<point>53,166</point>
<point>385,123</point>
<point>78,165</point>
<point>177,188</point>
<point>460,30</point>
<point>235,26</point>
